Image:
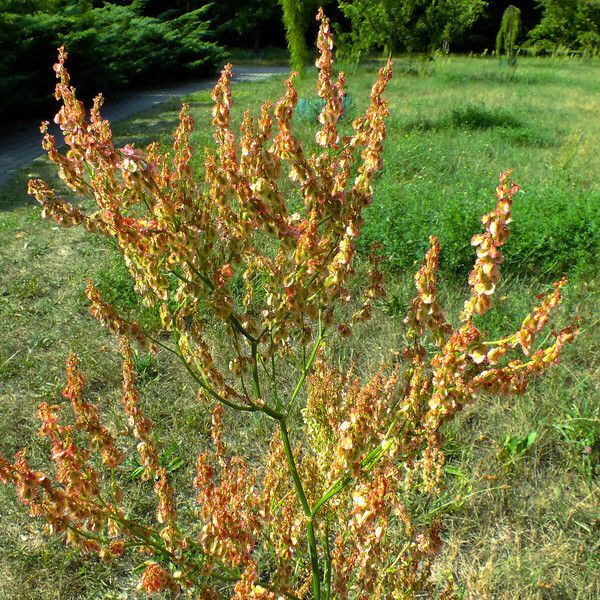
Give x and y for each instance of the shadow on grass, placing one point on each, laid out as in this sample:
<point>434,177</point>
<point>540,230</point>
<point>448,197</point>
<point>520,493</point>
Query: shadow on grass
<point>483,118</point>
<point>471,117</point>
<point>13,193</point>
<point>505,75</point>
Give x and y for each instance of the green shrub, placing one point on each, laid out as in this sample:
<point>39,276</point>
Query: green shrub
<point>559,237</point>
<point>567,24</point>
<point>133,49</point>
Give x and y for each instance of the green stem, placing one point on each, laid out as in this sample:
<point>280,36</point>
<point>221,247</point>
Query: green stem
<point>255,378</point>
<point>211,286</point>
<point>307,366</point>
<point>314,559</point>
<point>310,528</point>
<point>89,536</point>
<point>274,378</point>
<point>327,562</point>
<point>204,385</point>
<point>161,345</point>
<point>293,469</point>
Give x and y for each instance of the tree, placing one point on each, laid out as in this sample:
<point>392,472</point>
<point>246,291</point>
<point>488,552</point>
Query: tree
<point>294,20</point>
<point>411,25</point>
<point>509,31</point>
<point>573,24</point>
<point>133,47</point>
<point>236,24</point>
<point>249,23</point>
<point>482,34</point>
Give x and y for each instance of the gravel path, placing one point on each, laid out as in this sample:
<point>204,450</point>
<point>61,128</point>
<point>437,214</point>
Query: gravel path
<point>20,149</point>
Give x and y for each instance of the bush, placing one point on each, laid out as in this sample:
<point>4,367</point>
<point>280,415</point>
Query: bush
<point>134,48</point>
<point>567,24</point>
<point>339,502</point>
<point>27,42</point>
<point>564,239</point>
<point>413,25</point>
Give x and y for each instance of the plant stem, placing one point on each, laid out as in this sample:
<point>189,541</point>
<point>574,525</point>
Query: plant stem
<point>211,286</point>
<point>307,366</point>
<point>255,377</point>
<point>205,386</point>
<point>327,562</point>
<point>310,528</point>
<point>274,378</point>
<point>314,559</point>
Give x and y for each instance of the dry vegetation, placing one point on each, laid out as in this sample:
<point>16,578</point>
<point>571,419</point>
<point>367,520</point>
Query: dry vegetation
<point>521,513</point>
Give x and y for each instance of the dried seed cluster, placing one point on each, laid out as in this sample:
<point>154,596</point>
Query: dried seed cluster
<point>336,510</point>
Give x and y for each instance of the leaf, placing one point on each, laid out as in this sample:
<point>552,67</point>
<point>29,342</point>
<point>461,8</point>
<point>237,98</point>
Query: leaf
<point>531,437</point>
<point>515,446</point>
<point>175,464</point>
<point>452,470</point>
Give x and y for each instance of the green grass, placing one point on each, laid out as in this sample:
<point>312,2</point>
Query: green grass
<point>457,127</point>
<point>522,524</point>
<point>457,123</point>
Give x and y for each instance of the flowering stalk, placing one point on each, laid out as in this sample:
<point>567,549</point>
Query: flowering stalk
<point>333,512</point>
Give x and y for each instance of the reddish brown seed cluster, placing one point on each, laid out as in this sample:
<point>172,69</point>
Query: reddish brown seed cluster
<point>331,508</point>
<point>87,417</point>
<point>156,579</point>
<point>486,273</point>
<point>107,315</point>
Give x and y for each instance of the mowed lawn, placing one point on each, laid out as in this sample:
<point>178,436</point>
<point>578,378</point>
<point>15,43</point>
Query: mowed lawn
<point>521,505</point>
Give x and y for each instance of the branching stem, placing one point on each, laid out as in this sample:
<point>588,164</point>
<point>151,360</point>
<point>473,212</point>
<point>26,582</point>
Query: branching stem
<point>310,527</point>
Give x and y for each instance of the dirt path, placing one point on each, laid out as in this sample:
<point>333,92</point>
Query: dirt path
<point>20,149</point>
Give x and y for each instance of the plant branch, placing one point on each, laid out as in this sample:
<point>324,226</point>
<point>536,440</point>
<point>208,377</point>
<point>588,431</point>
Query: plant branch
<point>235,323</point>
<point>307,367</point>
<point>310,528</point>
<point>207,388</point>
<point>255,377</point>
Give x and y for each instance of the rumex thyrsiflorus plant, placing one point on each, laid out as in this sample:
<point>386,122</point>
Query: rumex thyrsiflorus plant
<point>335,507</point>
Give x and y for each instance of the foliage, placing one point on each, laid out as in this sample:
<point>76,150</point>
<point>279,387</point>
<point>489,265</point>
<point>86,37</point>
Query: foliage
<point>509,31</point>
<point>515,446</point>
<point>413,25</point>
<point>464,117</point>
<point>294,19</point>
<point>340,508</point>
<point>572,24</point>
<point>24,78</point>
<point>134,48</point>
<point>579,427</point>
<point>146,46</point>
<point>251,22</point>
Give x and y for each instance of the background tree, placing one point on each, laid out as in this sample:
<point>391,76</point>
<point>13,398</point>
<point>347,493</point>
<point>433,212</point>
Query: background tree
<point>29,37</point>
<point>509,31</point>
<point>410,25</point>
<point>253,23</point>
<point>373,24</point>
<point>294,19</point>
<point>135,47</point>
<point>573,24</point>
<point>482,34</point>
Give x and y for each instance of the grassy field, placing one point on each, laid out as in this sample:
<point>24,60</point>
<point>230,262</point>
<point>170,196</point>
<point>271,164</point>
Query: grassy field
<point>521,521</point>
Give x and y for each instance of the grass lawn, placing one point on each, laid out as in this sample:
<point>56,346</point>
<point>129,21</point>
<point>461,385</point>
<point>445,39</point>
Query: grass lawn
<point>520,521</point>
